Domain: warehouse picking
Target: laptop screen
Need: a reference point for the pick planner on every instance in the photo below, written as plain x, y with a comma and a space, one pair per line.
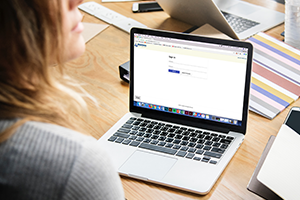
196, 79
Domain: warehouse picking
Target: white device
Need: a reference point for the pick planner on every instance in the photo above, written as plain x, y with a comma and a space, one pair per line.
189, 98
110, 16
221, 14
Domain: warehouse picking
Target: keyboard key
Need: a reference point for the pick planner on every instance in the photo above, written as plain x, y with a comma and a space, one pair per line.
193, 135
192, 144
200, 136
215, 139
184, 143
213, 162
154, 142
178, 136
164, 133
208, 137
192, 150
123, 135
162, 138
127, 126
181, 153
229, 138
147, 140
171, 135
199, 151
207, 148
176, 141
164, 128
150, 130
216, 144
169, 145
225, 141
126, 142
201, 141
208, 143
135, 128
211, 154
140, 133
147, 135
150, 126
161, 143
184, 148
171, 130
199, 146
142, 129
154, 137
224, 146
169, 140
218, 150
129, 121
186, 138
157, 127
134, 143
123, 130
112, 138
206, 157
176, 146
140, 139
197, 158
158, 148
133, 132
119, 140
190, 155
186, 133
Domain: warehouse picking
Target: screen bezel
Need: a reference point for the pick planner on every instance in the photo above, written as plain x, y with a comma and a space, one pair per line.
185, 120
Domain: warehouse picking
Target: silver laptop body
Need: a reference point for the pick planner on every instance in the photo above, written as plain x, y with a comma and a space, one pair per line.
200, 12
188, 101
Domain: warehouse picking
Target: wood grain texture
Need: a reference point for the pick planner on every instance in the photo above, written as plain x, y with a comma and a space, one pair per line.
97, 69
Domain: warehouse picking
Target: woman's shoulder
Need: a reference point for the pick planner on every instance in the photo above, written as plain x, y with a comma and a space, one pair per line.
52, 157
48, 140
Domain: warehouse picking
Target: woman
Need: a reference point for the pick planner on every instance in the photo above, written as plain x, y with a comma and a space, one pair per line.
40, 156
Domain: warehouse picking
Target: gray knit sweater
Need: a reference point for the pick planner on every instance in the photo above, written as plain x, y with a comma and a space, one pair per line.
44, 161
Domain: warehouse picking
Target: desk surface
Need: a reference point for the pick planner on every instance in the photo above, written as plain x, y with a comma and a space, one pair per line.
98, 70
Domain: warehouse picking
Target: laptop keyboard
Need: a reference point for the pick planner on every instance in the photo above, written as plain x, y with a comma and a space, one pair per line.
184, 142
238, 24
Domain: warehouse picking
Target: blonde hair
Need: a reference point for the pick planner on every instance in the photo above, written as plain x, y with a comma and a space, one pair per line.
31, 87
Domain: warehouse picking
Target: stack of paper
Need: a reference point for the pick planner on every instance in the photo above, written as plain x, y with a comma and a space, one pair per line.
275, 75
280, 170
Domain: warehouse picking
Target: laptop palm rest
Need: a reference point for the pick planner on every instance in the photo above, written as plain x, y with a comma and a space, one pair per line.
149, 166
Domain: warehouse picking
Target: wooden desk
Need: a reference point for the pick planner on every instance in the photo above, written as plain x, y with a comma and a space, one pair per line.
98, 70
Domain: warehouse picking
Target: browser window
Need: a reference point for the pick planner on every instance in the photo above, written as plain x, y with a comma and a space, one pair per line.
190, 78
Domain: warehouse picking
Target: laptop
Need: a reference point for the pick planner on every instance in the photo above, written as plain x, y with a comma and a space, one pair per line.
188, 109
237, 19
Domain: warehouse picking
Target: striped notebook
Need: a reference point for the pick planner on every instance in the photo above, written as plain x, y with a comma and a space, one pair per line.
275, 75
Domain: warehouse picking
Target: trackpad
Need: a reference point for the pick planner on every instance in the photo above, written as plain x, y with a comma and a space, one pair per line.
147, 165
